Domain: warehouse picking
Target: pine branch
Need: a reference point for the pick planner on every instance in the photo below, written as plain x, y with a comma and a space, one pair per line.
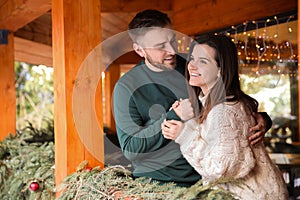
116, 182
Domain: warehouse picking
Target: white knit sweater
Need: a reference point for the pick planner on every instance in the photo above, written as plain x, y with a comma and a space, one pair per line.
219, 147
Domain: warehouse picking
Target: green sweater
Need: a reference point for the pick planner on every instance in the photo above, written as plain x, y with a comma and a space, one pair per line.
142, 99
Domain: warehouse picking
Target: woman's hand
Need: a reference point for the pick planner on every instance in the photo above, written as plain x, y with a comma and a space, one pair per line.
171, 128
259, 129
183, 109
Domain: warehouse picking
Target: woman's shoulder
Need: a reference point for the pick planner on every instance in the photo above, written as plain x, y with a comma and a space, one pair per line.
227, 107
228, 110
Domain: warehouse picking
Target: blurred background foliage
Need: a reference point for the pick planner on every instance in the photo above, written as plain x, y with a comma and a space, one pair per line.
34, 88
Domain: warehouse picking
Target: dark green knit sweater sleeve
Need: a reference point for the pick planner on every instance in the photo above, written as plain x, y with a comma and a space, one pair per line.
267, 119
172, 115
136, 138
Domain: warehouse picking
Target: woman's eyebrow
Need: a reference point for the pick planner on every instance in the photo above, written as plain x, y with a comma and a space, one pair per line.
203, 58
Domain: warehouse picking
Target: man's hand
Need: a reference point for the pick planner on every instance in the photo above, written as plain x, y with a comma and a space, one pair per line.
259, 129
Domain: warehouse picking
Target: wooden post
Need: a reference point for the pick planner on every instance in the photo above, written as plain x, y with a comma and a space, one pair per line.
76, 31
7, 89
112, 75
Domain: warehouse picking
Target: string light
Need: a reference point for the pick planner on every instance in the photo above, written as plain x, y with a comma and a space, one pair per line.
246, 41
289, 36
235, 34
265, 47
276, 36
257, 48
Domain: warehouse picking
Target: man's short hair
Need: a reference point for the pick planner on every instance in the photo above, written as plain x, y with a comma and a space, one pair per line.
145, 19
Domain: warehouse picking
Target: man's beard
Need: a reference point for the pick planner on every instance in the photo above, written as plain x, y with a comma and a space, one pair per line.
160, 65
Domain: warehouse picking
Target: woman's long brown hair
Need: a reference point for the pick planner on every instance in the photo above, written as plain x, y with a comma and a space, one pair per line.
229, 84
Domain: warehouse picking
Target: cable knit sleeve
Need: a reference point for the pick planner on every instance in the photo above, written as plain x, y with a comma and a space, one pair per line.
188, 134
221, 147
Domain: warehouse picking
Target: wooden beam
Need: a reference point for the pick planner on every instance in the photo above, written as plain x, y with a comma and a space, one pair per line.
39, 30
37, 53
193, 17
78, 136
7, 89
32, 52
134, 5
16, 14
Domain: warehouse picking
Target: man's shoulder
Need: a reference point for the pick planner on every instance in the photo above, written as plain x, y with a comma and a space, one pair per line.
134, 77
134, 70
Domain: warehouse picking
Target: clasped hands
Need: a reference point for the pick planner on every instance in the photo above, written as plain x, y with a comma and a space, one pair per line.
172, 128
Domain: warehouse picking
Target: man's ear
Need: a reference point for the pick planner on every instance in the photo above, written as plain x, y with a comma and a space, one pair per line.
138, 49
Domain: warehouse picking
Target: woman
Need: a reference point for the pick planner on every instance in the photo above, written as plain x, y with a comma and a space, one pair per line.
216, 142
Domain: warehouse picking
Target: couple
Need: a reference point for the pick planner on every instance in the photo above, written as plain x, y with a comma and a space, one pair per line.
144, 95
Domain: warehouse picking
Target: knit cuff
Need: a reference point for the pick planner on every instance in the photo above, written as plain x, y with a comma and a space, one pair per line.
187, 135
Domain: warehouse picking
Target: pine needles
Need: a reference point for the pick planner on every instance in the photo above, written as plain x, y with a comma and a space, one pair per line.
23, 162
115, 182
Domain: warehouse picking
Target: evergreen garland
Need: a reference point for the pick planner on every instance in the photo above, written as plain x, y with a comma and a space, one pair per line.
27, 173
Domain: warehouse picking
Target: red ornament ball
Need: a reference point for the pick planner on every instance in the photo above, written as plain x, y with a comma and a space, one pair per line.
34, 186
88, 169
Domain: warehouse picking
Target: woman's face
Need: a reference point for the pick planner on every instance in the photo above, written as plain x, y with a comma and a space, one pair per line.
202, 67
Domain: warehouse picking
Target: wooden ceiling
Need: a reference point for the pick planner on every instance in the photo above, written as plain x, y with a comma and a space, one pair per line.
30, 20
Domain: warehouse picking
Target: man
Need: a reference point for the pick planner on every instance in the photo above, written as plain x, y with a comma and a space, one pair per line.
143, 98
